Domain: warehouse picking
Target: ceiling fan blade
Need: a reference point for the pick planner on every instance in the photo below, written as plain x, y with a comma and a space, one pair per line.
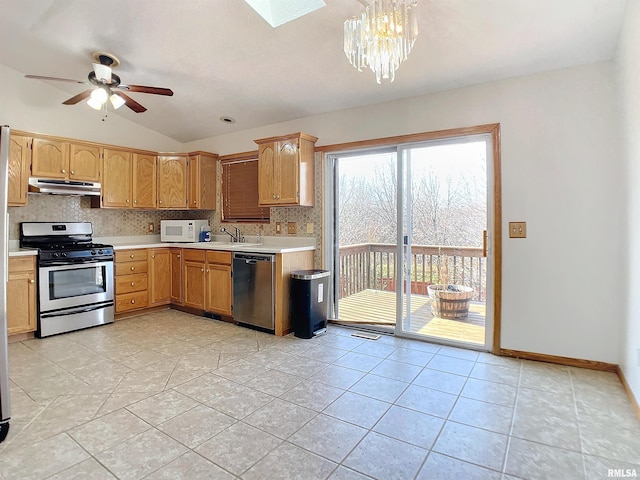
132, 104
78, 98
38, 77
103, 72
142, 89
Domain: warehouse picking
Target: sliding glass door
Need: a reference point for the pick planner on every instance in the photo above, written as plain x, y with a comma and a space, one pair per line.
443, 211
408, 228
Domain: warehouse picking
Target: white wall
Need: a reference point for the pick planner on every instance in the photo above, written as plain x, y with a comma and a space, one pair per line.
34, 106
629, 88
562, 173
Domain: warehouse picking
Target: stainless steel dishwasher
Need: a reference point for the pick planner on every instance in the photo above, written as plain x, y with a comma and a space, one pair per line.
253, 290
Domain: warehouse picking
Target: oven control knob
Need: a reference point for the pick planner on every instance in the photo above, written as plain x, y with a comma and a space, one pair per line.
100, 252
93, 252
64, 254
56, 255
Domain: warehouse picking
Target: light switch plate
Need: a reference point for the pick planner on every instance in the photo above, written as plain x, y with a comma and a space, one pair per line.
292, 228
278, 228
309, 227
517, 229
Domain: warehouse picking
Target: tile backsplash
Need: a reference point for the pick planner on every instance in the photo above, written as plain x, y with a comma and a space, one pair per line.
106, 222
115, 222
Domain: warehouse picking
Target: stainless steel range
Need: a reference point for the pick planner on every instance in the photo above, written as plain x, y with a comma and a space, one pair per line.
75, 276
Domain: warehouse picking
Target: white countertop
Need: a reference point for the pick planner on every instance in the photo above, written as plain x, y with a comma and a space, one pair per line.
268, 245
22, 252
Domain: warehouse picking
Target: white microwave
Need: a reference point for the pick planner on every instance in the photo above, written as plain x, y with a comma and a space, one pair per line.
181, 230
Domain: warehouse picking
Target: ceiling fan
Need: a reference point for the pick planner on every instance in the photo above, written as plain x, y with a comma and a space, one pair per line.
107, 86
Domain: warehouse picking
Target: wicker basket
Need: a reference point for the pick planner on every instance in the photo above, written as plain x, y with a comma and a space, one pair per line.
450, 301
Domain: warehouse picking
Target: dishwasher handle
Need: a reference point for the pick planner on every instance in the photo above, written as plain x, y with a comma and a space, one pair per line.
252, 259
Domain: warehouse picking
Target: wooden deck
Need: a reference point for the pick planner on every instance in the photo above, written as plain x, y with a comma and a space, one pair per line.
377, 307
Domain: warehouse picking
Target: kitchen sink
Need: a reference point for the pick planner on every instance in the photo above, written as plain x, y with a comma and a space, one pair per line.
234, 244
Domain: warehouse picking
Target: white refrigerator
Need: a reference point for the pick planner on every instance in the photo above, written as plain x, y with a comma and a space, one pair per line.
5, 404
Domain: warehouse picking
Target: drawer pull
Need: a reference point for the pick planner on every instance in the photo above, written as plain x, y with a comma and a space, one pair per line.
133, 301
131, 256
133, 284
133, 268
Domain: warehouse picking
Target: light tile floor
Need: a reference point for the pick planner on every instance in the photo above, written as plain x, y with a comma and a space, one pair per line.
170, 395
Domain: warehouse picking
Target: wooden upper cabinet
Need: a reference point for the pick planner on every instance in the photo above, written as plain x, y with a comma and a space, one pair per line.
65, 160
84, 162
19, 167
144, 181
286, 170
202, 181
116, 187
172, 181
50, 158
267, 175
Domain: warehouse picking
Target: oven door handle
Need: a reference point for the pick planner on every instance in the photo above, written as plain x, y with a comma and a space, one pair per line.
67, 263
62, 313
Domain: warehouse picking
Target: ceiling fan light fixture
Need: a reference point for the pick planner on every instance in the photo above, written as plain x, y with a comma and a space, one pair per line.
95, 104
99, 95
117, 101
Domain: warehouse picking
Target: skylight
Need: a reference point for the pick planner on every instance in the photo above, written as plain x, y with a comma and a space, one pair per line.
278, 12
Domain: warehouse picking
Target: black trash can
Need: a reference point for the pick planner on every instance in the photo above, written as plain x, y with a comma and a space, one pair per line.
309, 303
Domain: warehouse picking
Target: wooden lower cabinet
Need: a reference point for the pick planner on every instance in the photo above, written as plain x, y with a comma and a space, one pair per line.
194, 278
159, 276
21, 295
176, 276
131, 280
285, 264
219, 284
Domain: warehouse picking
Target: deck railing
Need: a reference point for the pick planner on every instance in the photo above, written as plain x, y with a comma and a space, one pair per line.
372, 266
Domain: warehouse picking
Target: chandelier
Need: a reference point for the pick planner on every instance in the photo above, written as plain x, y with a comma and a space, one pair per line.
381, 37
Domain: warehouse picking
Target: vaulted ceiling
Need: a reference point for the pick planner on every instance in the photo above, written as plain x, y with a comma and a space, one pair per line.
222, 59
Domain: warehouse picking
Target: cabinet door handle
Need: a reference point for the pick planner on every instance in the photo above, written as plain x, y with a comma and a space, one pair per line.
153, 256
160, 202
207, 271
127, 200
64, 171
32, 281
202, 269
73, 172
135, 201
194, 202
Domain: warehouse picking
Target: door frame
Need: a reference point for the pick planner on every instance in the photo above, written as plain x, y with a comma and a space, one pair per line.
494, 234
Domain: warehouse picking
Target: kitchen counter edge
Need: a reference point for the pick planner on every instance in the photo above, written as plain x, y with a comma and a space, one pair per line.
210, 246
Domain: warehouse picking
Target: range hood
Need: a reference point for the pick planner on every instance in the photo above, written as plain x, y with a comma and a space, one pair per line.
63, 187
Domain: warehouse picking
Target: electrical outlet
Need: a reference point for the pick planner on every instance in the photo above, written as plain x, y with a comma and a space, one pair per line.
517, 229
150, 227
309, 227
292, 228
278, 228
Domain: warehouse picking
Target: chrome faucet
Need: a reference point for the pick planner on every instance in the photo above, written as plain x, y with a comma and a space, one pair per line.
237, 237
